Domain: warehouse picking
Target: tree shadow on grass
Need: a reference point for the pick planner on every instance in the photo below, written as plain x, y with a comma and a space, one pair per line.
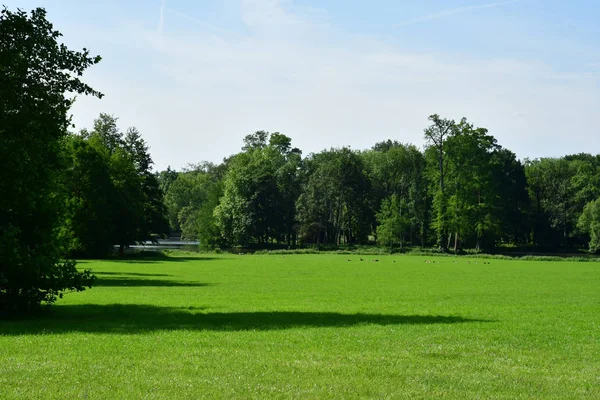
137, 319
155, 260
126, 274
151, 257
132, 282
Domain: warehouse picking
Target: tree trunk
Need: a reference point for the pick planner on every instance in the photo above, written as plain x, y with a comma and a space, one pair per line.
455, 242
441, 211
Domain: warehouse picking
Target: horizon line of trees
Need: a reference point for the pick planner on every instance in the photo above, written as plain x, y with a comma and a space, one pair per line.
463, 190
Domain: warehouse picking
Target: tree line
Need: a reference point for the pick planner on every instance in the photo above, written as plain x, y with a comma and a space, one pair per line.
463, 190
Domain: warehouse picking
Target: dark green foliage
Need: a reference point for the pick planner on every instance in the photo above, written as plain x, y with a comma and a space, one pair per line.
259, 192
185, 191
113, 198
478, 188
436, 136
392, 224
88, 228
36, 72
153, 208
589, 222
559, 189
511, 201
191, 199
334, 206
464, 191
166, 178
470, 189
398, 170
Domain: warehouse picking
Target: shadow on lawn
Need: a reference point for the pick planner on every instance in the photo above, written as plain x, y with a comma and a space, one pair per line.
133, 282
133, 318
150, 257
126, 274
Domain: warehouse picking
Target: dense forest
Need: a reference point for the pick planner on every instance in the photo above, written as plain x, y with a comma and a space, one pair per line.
79, 194
462, 190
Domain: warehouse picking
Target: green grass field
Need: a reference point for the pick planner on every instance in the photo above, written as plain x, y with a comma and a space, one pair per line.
313, 326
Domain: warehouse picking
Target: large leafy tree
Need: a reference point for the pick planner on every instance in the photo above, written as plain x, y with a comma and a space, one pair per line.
88, 228
586, 187
191, 199
559, 189
397, 170
589, 222
512, 200
36, 74
471, 193
554, 209
112, 195
260, 191
165, 179
478, 187
184, 193
155, 221
392, 224
334, 205
436, 136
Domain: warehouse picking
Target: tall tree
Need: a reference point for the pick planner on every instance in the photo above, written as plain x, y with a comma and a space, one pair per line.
436, 135
334, 206
392, 224
586, 188
113, 196
166, 178
36, 75
553, 196
191, 200
259, 193
470, 190
397, 170
512, 200
88, 228
155, 223
108, 133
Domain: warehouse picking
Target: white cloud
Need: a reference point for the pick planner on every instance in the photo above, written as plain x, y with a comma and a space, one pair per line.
324, 87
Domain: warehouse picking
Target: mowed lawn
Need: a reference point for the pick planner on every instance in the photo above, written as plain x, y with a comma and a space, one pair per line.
314, 326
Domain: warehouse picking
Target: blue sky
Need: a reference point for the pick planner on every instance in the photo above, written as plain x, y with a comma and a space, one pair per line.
197, 76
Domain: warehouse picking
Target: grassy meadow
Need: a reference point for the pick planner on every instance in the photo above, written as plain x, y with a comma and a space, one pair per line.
313, 326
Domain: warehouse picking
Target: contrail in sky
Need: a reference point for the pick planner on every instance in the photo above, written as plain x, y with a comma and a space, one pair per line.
161, 19
454, 11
